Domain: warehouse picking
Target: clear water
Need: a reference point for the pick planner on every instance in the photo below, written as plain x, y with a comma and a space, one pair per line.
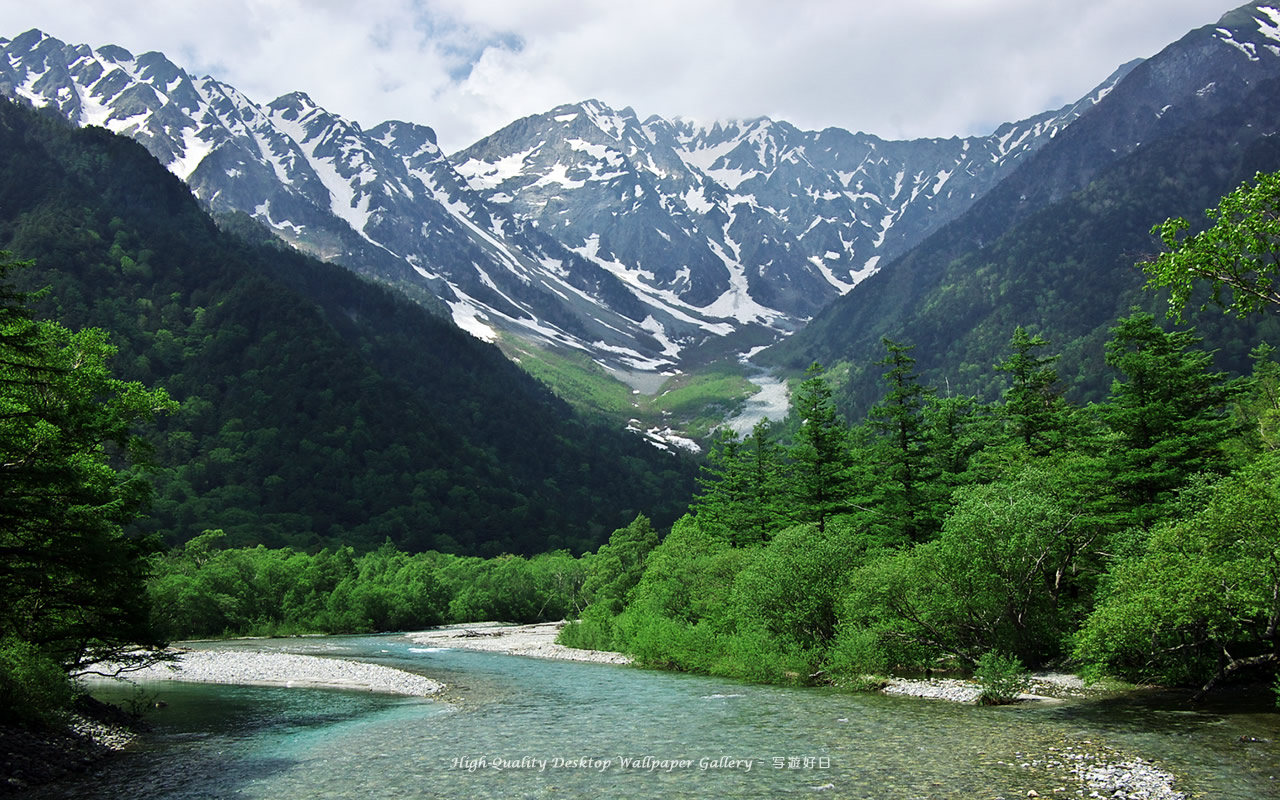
527, 728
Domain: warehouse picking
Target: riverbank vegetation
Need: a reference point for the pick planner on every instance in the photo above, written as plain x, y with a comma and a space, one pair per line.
1138, 536
203, 589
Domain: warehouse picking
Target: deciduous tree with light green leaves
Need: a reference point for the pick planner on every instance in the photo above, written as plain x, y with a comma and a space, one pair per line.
1012, 570
1238, 255
71, 579
1203, 603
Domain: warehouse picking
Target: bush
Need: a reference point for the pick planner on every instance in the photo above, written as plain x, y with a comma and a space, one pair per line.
1002, 677
591, 632
791, 588
855, 657
752, 654
33, 686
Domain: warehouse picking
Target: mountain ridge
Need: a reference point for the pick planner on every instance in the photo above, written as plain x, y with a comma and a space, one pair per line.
712, 252
318, 408
1183, 121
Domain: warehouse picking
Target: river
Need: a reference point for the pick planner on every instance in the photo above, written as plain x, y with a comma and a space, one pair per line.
771, 401
510, 726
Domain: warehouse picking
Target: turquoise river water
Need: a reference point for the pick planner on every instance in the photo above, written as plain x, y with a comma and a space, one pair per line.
518, 727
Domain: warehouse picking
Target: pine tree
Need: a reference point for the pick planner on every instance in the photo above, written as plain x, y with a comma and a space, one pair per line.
821, 455
901, 453
1167, 411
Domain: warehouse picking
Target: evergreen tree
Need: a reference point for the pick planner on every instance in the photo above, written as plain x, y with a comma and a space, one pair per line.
722, 482
957, 430
820, 454
1167, 411
900, 450
741, 487
762, 458
1032, 403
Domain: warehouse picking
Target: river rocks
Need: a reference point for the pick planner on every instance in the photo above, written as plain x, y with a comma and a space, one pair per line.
287, 669
952, 689
537, 640
1096, 771
35, 756
1043, 686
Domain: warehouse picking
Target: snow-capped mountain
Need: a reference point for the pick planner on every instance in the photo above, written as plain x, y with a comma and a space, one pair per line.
1052, 247
754, 221
585, 227
384, 202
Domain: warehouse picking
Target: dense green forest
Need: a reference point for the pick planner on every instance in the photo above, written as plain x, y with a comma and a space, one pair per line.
1138, 537
315, 408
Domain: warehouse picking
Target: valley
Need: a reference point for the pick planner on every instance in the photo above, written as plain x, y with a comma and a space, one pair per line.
793, 417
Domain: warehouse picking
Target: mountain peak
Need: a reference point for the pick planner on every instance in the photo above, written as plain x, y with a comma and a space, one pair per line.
297, 101
115, 53
636, 243
29, 39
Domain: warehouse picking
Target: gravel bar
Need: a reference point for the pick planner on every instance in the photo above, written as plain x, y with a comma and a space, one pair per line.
537, 640
258, 668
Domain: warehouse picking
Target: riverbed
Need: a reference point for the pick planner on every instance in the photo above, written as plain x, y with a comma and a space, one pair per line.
769, 402
510, 726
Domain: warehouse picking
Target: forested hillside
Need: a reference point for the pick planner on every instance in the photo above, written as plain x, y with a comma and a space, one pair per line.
315, 407
1065, 270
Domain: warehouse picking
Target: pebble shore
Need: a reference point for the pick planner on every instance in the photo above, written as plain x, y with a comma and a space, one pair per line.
537, 641
34, 756
287, 669
1045, 687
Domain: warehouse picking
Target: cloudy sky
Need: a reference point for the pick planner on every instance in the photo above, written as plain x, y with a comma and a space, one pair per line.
896, 68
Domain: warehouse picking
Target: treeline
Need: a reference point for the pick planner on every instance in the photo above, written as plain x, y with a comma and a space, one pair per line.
1139, 537
202, 589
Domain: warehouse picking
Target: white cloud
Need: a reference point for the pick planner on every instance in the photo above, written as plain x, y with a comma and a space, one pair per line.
468, 67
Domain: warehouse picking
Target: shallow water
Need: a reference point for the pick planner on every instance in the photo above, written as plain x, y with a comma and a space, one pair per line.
519, 727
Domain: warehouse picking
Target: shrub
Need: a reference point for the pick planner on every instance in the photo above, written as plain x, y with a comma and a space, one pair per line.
1002, 678
591, 632
32, 686
855, 657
